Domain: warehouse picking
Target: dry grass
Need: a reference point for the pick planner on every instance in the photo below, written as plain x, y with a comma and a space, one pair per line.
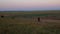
29, 25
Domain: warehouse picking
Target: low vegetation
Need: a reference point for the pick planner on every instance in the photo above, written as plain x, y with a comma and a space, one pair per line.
20, 25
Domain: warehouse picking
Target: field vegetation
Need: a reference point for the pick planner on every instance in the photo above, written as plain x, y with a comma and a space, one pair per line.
27, 23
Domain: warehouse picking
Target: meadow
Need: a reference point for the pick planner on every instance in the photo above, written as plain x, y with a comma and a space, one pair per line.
20, 22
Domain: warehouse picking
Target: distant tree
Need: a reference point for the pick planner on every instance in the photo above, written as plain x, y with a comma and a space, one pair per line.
2, 16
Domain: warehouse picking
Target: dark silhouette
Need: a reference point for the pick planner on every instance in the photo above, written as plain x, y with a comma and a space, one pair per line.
2, 16
38, 19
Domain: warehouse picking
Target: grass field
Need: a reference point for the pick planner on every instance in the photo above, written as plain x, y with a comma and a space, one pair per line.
27, 23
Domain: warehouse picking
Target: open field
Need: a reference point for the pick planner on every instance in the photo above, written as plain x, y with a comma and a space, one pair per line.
27, 22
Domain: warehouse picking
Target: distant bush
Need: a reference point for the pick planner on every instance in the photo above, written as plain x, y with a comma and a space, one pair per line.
2, 16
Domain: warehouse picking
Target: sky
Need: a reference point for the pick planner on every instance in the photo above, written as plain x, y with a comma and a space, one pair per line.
7, 5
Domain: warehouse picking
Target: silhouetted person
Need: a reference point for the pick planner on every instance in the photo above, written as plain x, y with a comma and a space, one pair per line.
2, 16
38, 19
